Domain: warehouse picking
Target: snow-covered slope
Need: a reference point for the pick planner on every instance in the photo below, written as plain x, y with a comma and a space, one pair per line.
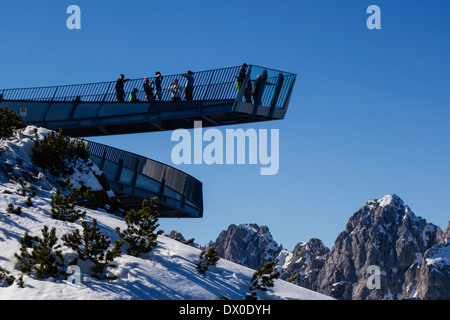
168, 272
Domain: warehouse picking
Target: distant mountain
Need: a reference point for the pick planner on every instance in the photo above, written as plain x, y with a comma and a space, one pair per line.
304, 263
383, 233
413, 256
247, 244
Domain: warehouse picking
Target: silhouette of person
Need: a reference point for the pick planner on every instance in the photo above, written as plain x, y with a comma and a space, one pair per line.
189, 89
158, 85
132, 97
241, 76
148, 89
120, 93
175, 89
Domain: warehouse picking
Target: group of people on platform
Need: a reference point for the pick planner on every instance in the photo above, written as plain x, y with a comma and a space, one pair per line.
249, 90
153, 90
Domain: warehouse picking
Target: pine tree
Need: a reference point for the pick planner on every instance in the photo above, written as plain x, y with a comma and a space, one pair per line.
22, 190
263, 279
20, 282
293, 278
29, 202
63, 208
56, 151
87, 198
9, 122
140, 233
5, 277
189, 242
11, 209
45, 258
93, 245
206, 259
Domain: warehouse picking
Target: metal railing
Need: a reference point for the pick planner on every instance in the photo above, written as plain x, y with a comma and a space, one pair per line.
216, 84
278, 83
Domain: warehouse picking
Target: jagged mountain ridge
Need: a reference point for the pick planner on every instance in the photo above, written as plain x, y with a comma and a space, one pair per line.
247, 244
412, 254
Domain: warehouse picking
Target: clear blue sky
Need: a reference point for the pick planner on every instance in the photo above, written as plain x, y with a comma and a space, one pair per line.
368, 116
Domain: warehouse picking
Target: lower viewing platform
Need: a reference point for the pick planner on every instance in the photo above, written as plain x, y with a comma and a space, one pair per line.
134, 178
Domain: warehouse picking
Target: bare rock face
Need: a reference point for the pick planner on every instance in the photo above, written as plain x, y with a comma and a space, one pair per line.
429, 278
386, 234
247, 244
303, 263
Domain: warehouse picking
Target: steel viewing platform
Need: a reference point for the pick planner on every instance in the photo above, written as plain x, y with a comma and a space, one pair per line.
87, 110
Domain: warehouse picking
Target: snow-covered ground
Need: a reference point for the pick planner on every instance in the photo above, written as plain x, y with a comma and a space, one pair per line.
167, 273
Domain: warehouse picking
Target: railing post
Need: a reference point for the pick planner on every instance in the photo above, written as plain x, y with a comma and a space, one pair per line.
136, 167
54, 93
276, 94
288, 98
259, 95
119, 171
162, 197
102, 163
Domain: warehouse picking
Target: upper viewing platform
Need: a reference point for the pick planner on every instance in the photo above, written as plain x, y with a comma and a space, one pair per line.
226, 96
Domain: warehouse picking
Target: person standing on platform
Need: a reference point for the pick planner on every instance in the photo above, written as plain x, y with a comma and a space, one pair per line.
257, 86
241, 76
148, 89
120, 93
158, 85
175, 89
189, 89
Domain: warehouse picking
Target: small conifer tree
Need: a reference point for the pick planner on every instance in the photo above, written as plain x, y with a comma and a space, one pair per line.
93, 245
45, 257
206, 259
56, 151
63, 208
140, 233
29, 202
189, 242
5, 278
9, 122
22, 190
263, 279
14, 210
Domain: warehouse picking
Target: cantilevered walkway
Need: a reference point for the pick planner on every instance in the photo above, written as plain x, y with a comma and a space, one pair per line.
87, 110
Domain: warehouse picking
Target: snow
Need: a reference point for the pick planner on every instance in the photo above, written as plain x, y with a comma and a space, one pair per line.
168, 272
439, 255
428, 229
386, 200
283, 260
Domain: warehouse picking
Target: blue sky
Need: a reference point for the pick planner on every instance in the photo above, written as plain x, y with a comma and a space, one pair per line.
368, 116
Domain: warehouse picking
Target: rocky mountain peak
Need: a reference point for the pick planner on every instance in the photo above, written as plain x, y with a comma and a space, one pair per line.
304, 263
383, 233
247, 244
